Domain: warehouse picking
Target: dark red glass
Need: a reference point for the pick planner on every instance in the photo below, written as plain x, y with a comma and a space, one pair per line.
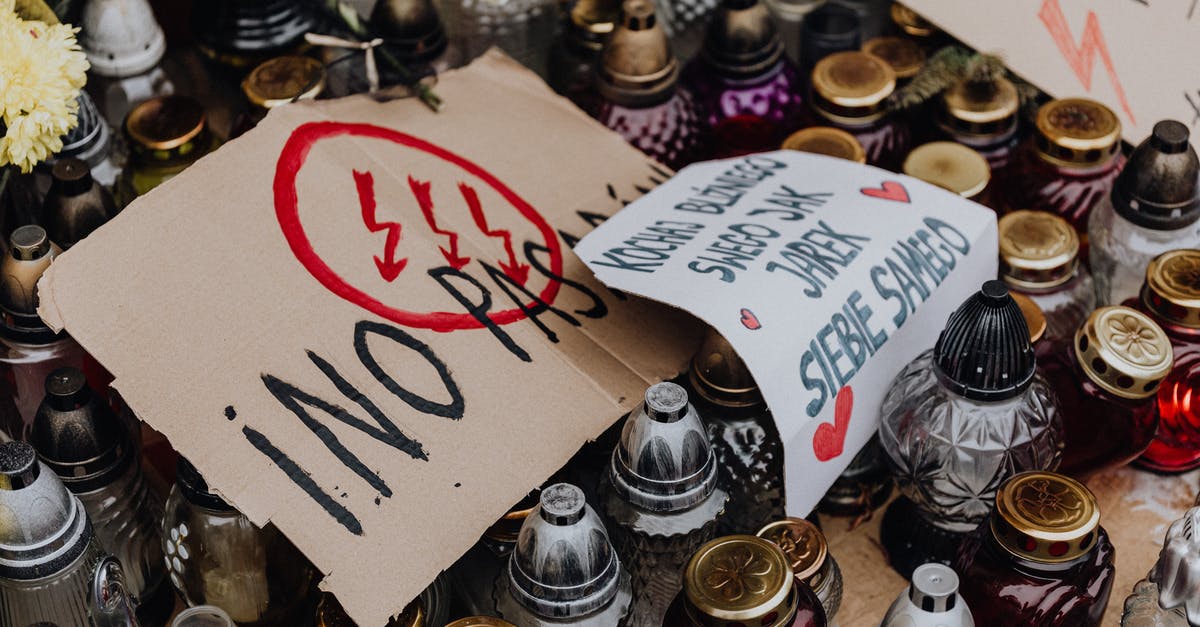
1071, 192
809, 612
1100, 429
747, 116
1177, 445
670, 132
886, 140
1002, 589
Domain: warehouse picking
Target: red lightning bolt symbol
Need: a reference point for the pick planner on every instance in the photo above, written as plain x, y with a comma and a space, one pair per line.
1082, 58
420, 189
518, 272
389, 267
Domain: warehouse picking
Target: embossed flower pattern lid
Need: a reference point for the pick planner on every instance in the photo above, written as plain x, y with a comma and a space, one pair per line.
738, 580
1045, 517
1123, 351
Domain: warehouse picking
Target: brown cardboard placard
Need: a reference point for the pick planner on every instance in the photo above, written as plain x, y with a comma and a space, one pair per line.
378, 262
1135, 56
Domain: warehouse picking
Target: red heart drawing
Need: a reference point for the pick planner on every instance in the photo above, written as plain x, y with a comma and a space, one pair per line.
890, 190
829, 439
749, 320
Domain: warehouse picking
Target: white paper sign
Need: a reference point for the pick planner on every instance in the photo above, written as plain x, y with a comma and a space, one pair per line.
827, 277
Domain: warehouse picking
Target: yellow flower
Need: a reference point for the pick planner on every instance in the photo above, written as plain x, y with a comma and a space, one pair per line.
41, 72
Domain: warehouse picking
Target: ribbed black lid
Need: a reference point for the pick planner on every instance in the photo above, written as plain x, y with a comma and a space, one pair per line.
195, 488
79, 437
984, 352
827, 29
1157, 188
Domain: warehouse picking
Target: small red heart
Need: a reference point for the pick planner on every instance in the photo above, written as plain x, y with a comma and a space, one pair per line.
830, 439
890, 190
749, 320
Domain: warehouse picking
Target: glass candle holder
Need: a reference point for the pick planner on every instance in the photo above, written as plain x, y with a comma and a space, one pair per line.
1039, 258
1153, 208
1171, 296
1042, 558
1069, 165
638, 95
1107, 381
848, 92
959, 420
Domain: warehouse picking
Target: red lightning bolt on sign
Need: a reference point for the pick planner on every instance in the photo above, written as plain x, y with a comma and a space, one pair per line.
389, 267
420, 189
518, 272
1082, 58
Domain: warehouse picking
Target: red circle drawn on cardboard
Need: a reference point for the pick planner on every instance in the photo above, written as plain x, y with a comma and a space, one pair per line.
287, 212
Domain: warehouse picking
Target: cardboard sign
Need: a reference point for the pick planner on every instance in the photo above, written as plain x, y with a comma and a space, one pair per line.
827, 276
363, 322
1138, 57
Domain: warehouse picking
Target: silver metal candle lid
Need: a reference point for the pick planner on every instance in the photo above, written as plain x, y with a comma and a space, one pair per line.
934, 587
563, 565
43, 527
1177, 572
664, 462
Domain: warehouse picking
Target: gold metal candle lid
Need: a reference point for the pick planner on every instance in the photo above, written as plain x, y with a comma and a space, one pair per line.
1045, 517
951, 166
738, 580
1035, 318
853, 85
720, 375
803, 544
826, 140
165, 122
1077, 132
637, 65
1123, 351
980, 110
903, 55
1172, 288
1038, 249
280, 80
480, 621
911, 23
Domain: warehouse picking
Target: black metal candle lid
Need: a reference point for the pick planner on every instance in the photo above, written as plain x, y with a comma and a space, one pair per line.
984, 352
1157, 188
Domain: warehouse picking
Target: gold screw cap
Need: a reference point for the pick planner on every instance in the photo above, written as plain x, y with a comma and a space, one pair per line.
280, 80
826, 140
951, 166
903, 55
1045, 517
803, 544
852, 84
911, 23
1035, 318
1038, 249
165, 122
738, 580
1172, 288
1123, 351
1077, 132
